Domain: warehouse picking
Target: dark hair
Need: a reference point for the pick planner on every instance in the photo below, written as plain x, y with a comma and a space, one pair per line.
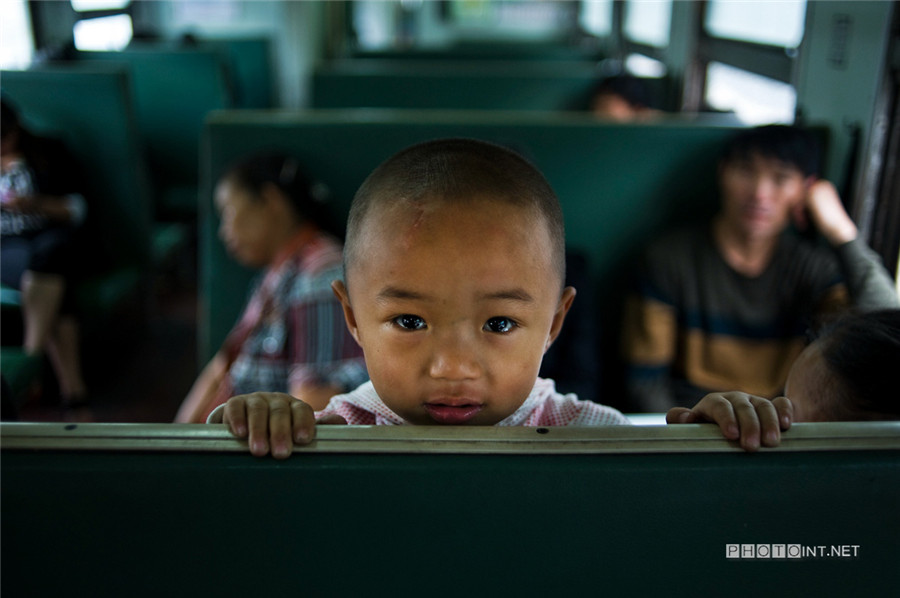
633, 90
862, 353
458, 170
789, 144
308, 198
33, 148
9, 118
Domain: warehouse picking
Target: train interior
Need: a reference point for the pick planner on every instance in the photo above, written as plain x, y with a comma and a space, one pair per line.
156, 98
140, 88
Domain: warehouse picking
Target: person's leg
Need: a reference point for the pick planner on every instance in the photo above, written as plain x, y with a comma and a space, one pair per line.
42, 295
64, 351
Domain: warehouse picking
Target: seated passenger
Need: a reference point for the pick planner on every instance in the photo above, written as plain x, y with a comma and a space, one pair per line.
291, 336
725, 305
455, 274
623, 98
847, 374
42, 211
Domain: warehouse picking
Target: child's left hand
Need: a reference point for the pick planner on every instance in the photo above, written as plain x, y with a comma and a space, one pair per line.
753, 420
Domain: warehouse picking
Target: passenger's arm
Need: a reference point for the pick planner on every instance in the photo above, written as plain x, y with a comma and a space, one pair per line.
195, 406
67, 209
868, 283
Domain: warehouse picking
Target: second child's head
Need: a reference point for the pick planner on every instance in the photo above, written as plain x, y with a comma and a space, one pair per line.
848, 373
454, 269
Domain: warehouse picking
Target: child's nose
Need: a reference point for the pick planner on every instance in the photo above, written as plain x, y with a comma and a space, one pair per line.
454, 358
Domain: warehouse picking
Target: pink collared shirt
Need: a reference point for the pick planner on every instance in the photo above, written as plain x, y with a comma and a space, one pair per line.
543, 407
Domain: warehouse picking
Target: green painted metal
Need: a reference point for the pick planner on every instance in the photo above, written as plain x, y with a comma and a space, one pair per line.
187, 524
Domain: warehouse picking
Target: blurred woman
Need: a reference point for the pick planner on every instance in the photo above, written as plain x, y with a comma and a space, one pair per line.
291, 337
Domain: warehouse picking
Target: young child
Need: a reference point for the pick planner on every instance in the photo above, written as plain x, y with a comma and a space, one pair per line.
846, 374
454, 268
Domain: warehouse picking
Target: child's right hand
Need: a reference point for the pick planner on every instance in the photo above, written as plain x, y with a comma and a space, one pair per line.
270, 420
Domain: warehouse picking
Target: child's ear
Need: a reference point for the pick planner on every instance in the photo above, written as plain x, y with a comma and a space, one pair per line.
562, 308
340, 291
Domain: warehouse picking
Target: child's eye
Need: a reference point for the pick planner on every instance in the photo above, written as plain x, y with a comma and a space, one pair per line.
410, 322
499, 324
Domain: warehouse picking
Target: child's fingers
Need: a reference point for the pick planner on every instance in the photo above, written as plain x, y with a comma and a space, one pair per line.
304, 422
717, 408
281, 426
785, 410
258, 424
748, 422
679, 415
767, 422
235, 416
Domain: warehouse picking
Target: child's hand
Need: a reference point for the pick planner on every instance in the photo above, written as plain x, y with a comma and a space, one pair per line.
270, 419
750, 419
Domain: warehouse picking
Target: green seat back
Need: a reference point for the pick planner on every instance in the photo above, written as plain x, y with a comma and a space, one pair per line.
478, 85
174, 90
167, 517
91, 110
250, 70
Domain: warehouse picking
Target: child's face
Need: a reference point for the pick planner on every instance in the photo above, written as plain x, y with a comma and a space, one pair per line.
454, 307
759, 193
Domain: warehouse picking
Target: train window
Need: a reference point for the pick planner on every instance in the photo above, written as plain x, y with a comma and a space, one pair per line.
648, 22
770, 23
754, 99
512, 16
746, 58
597, 17
103, 33
644, 66
373, 24
102, 24
15, 29
89, 5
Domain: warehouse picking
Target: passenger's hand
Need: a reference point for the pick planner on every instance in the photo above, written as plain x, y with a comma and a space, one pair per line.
753, 420
823, 205
271, 421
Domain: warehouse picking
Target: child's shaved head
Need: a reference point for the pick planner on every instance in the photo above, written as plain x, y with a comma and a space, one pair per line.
457, 171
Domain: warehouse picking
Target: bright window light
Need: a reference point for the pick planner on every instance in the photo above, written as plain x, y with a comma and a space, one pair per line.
596, 17
648, 22
88, 5
17, 46
103, 34
755, 100
644, 66
770, 22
